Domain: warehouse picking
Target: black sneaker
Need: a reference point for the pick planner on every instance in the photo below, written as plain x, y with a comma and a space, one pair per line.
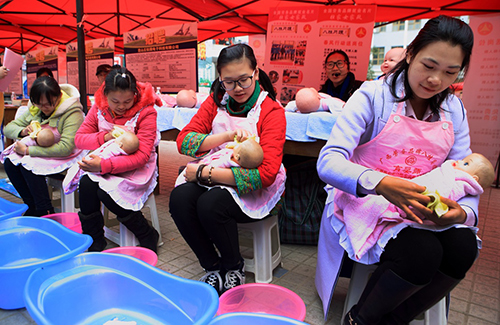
234, 278
214, 279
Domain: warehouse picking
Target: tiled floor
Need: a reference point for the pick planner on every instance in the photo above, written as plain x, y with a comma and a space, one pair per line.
475, 301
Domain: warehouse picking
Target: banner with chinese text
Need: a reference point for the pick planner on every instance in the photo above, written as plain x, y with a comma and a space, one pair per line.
300, 38
481, 93
166, 56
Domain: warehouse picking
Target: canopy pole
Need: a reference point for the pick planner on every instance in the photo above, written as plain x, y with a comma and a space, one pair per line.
82, 75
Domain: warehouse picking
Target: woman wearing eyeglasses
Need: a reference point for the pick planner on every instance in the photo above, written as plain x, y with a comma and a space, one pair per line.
207, 208
341, 82
55, 107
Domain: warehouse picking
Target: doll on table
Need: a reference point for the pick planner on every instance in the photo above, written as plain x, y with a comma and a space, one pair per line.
453, 180
124, 143
189, 98
308, 100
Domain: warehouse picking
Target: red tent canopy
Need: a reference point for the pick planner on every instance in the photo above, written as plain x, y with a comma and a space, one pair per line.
26, 24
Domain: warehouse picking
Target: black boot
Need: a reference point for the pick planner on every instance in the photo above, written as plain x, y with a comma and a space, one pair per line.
384, 296
440, 285
139, 226
92, 224
39, 213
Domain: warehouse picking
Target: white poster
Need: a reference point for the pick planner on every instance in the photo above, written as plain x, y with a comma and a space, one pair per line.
300, 38
481, 93
165, 56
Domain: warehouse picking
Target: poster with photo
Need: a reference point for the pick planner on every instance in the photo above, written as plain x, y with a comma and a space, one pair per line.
481, 92
300, 38
97, 52
41, 58
166, 56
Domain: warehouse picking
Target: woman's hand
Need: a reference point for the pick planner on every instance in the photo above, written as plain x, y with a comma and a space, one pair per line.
3, 72
454, 215
27, 130
20, 148
240, 135
404, 194
92, 164
190, 173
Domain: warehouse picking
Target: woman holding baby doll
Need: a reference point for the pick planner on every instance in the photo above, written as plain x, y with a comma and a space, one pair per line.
122, 183
52, 107
207, 208
391, 131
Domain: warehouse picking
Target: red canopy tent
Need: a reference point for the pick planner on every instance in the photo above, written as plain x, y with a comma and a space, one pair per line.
27, 24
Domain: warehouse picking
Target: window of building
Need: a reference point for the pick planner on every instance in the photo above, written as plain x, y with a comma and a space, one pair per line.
380, 29
414, 24
378, 54
397, 26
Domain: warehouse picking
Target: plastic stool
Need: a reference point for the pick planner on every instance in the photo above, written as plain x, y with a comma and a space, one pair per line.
125, 237
67, 200
266, 248
436, 315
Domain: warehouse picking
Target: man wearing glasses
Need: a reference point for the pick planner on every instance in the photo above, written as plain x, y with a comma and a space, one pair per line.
341, 82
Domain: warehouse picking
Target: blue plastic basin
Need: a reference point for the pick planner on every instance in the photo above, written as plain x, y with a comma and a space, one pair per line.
10, 209
254, 319
94, 288
28, 243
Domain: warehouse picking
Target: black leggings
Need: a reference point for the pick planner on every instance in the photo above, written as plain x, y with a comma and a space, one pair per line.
32, 188
206, 218
91, 196
416, 254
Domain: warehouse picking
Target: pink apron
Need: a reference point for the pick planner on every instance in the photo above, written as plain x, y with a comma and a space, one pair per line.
131, 189
256, 204
43, 165
405, 147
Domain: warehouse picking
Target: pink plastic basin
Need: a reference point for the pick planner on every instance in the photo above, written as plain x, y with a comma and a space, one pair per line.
142, 253
68, 219
262, 298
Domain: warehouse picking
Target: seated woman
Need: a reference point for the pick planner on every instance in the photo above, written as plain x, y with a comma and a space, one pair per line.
391, 131
122, 183
243, 103
57, 108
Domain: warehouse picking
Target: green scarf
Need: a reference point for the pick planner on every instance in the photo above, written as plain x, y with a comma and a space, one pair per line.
246, 107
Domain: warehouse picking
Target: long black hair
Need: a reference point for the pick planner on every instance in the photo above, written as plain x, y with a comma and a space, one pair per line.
439, 29
120, 79
45, 87
234, 53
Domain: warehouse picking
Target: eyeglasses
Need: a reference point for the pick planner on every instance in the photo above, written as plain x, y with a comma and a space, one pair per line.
244, 82
339, 64
44, 105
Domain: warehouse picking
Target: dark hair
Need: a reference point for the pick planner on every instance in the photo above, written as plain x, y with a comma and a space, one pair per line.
344, 54
41, 71
102, 68
234, 53
438, 29
120, 79
45, 87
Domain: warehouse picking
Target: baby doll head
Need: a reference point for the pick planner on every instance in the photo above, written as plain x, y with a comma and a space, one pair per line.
307, 100
248, 154
186, 98
128, 141
479, 167
392, 57
45, 138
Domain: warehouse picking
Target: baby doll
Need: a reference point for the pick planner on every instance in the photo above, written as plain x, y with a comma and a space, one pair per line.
453, 180
308, 100
124, 143
45, 138
189, 98
392, 57
247, 154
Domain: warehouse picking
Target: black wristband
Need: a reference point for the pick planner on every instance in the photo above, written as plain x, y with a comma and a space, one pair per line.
199, 171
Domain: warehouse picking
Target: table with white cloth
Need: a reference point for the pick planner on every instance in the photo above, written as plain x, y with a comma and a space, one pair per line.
306, 134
